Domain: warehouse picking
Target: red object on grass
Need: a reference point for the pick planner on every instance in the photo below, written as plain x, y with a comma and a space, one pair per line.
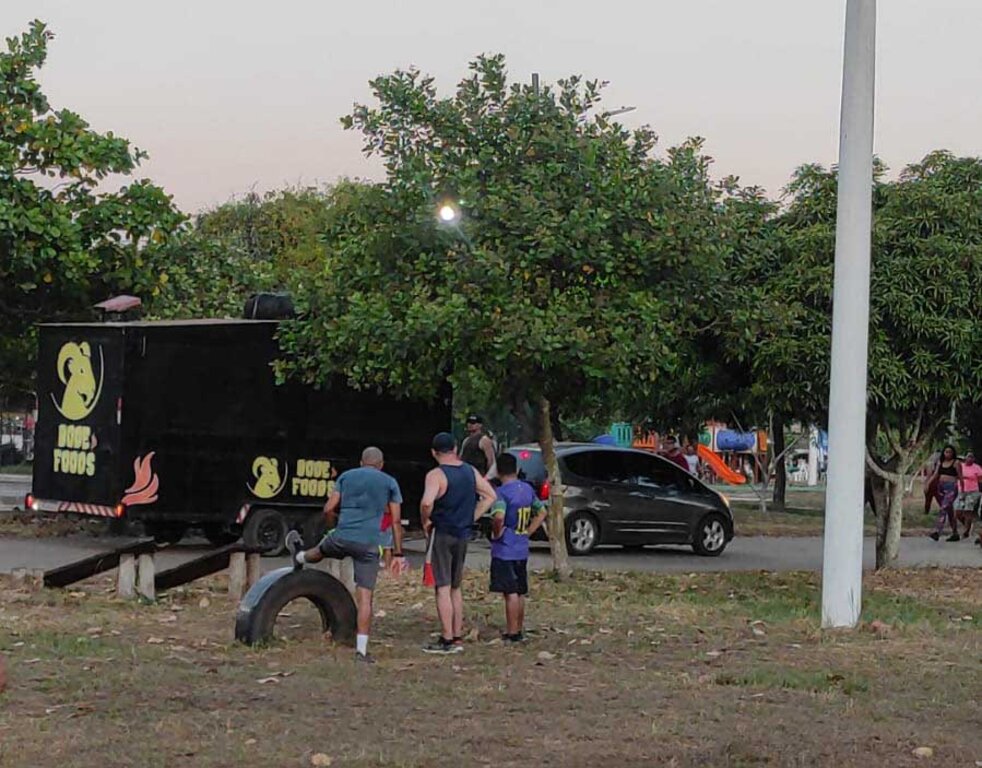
428, 579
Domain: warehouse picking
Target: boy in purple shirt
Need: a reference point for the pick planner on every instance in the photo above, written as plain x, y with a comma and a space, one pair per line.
517, 514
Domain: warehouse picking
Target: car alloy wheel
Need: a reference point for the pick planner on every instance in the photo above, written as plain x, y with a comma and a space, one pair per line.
713, 535
582, 534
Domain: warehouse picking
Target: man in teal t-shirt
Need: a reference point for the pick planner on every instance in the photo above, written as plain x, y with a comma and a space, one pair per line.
361, 496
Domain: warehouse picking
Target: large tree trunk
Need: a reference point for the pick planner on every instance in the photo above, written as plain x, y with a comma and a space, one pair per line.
778, 450
556, 519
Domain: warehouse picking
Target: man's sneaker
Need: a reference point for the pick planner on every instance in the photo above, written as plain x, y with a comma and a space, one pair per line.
954, 537
442, 646
458, 642
364, 658
294, 544
514, 639
934, 535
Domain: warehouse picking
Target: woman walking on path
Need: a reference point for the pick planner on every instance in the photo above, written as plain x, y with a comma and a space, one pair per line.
947, 476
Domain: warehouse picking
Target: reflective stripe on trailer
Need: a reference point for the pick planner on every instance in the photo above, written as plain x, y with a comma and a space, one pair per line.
78, 507
243, 513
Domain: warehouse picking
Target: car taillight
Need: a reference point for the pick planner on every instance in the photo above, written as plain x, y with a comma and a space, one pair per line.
544, 491
31, 503
120, 510
525, 455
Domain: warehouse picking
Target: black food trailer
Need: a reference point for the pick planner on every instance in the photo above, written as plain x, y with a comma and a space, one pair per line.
181, 424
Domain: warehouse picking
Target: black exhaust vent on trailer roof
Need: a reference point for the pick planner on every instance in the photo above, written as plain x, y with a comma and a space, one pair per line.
269, 306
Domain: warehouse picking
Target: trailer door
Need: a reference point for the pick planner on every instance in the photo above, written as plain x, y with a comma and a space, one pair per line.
77, 442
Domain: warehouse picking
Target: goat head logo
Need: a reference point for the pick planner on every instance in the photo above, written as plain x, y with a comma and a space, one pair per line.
268, 484
76, 372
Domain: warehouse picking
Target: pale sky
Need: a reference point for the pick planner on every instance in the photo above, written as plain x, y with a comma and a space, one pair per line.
231, 96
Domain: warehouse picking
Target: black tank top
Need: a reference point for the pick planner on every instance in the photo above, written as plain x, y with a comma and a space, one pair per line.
453, 512
949, 471
472, 453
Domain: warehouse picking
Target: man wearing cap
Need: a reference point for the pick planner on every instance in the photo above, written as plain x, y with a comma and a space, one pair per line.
454, 497
478, 448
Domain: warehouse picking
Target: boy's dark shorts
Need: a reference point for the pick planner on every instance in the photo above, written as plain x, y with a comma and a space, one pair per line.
448, 555
365, 557
509, 577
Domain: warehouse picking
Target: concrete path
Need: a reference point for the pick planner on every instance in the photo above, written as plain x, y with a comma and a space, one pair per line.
744, 554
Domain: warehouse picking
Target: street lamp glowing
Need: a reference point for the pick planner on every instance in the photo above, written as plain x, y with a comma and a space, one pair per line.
448, 214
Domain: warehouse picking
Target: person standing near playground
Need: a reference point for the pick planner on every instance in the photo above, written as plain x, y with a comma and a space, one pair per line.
455, 496
354, 513
947, 476
516, 515
673, 453
692, 460
967, 506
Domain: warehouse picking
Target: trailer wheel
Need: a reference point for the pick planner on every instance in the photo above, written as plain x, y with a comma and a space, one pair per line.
265, 529
255, 621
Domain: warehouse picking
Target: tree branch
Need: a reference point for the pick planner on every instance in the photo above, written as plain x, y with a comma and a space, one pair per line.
894, 442
877, 470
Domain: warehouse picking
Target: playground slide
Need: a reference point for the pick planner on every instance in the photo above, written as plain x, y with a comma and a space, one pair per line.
718, 466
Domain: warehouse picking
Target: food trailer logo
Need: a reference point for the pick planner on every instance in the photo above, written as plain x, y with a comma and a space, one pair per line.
145, 482
81, 388
74, 452
313, 478
266, 470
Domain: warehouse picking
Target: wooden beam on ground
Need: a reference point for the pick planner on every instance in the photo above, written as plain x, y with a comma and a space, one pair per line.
212, 562
95, 564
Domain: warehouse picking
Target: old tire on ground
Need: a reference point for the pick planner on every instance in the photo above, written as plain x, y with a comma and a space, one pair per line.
582, 533
256, 617
265, 530
710, 536
219, 534
165, 533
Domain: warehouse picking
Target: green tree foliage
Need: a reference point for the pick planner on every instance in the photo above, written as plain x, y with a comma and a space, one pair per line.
64, 244
925, 316
259, 243
571, 281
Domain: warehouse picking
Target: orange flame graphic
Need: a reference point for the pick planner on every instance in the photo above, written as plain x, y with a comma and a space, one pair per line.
144, 488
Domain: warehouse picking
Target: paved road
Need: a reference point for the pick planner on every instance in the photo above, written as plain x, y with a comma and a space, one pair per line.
744, 554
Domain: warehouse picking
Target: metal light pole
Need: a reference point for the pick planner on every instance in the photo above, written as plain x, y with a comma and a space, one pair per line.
842, 571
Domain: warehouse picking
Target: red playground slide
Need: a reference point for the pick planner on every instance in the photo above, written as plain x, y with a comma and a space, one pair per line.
723, 472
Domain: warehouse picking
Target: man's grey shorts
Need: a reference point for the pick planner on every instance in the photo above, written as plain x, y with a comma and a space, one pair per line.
365, 557
449, 553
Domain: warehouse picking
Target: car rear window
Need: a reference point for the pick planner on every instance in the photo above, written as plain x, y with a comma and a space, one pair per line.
531, 468
601, 466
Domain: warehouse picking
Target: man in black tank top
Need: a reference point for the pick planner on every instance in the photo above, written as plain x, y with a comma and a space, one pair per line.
477, 448
455, 496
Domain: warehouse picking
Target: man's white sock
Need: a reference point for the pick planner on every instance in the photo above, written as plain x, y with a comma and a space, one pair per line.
361, 644
300, 558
